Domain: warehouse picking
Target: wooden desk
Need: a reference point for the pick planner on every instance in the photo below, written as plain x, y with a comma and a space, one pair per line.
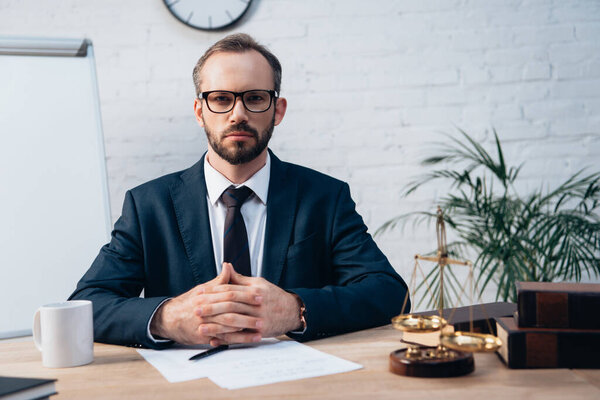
120, 372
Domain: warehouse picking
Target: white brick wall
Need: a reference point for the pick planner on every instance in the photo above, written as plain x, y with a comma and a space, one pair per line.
369, 85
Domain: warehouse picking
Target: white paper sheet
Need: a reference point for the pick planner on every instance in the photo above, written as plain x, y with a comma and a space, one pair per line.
242, 366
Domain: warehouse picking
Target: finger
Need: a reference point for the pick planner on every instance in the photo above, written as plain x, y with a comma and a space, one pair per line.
230, 320
225, 275
239, 337
230, 287
249, 298
239, 278
229, 267
222, 278
208, 310
209, 330
194, 336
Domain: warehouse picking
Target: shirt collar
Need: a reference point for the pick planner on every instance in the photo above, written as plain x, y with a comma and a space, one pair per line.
216, 183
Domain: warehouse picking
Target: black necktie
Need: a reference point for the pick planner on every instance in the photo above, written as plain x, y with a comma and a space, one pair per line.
235, 238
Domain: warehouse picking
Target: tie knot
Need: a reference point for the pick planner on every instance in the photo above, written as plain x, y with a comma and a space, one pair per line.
233, 197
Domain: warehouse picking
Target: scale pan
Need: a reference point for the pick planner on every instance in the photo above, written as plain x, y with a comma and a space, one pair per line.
418, 323
470, 342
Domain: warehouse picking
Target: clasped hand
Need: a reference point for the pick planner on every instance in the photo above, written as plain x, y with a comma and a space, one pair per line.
231, 308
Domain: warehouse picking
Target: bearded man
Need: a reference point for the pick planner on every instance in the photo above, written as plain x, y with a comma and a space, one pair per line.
240, 246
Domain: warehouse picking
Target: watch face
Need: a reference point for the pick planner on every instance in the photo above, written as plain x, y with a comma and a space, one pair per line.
208, 14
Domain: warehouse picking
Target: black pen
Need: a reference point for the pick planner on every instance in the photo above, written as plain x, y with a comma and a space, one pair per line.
209, 352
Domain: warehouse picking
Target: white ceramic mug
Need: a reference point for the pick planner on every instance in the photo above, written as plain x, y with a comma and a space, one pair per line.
64, 333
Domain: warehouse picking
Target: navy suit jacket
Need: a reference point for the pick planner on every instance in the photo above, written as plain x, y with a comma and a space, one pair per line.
316, 245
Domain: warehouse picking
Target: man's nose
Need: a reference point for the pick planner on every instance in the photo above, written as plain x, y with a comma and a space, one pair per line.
239, 112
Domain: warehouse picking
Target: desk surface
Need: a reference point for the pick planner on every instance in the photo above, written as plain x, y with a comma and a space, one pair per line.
120, 372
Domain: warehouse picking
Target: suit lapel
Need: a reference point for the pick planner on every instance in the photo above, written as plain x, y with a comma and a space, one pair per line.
189, 201
281, 203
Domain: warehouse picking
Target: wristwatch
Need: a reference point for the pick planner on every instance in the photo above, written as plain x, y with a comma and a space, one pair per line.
301, 315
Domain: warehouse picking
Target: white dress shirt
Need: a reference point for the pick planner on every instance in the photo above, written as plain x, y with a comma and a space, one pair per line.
254, 212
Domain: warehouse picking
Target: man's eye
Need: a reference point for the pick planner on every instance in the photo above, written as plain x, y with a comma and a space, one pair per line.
255, 98
222, 99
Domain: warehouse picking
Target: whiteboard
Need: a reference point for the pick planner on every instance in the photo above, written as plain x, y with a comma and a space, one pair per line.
54, 207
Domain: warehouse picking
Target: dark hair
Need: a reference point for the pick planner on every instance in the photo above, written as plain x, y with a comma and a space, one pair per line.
239, 43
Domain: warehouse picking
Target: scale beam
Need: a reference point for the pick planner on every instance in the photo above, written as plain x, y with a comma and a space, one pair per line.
443, 260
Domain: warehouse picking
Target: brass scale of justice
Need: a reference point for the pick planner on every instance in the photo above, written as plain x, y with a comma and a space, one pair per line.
454, 354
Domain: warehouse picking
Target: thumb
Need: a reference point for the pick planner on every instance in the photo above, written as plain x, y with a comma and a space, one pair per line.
238, 278
226, 272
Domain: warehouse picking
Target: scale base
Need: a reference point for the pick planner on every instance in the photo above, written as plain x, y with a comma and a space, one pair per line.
430, 365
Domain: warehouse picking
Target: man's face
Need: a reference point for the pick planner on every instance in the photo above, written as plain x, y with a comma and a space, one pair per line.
238, 136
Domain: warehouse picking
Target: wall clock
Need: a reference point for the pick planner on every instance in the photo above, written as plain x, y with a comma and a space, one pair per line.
208, 15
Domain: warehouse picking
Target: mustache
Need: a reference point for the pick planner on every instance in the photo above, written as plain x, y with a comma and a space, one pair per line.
241, 128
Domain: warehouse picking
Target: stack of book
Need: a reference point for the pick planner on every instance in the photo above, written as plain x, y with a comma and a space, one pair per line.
477, 318
12, 388
557, 325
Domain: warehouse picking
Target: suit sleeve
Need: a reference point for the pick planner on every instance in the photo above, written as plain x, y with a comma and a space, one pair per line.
114, 283
365, 292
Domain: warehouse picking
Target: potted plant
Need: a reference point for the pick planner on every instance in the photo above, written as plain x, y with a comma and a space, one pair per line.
544, 235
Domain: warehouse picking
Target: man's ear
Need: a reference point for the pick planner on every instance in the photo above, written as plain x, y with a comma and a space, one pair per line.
198, 111
280, 107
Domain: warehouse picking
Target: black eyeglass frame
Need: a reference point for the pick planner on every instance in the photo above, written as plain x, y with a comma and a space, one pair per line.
272, 93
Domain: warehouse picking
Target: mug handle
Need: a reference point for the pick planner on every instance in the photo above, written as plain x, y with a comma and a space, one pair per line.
37, 330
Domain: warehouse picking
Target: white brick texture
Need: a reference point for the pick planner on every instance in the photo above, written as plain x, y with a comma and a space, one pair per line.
370, 85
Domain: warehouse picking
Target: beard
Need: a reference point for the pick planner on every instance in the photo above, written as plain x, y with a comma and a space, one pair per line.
240, 152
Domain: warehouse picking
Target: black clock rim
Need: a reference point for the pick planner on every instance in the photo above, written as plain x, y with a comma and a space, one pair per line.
216, 29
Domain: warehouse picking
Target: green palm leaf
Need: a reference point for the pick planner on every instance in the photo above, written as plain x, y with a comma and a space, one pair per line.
545, 235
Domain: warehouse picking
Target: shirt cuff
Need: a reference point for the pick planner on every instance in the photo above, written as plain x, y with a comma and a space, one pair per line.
299, 332
150, 321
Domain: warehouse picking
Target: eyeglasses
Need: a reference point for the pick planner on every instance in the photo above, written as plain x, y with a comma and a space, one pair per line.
223, 101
